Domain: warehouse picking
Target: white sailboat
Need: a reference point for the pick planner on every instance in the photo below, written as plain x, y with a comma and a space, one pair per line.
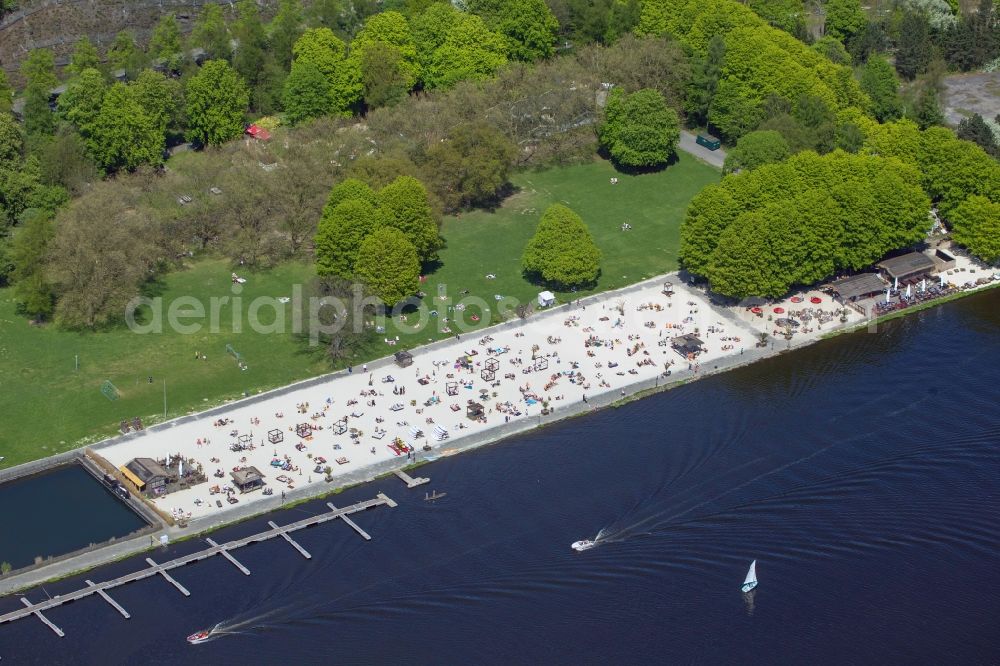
751, 580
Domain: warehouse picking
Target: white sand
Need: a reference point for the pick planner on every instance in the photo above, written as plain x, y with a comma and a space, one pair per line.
560, 338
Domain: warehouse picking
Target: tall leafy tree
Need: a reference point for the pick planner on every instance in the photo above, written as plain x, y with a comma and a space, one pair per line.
347, 189
387, 263
976, 225
11, 141
975, 129
307, 93
32, 291
216, 99
928, 111
81, 103
430, 29
914, 51
341, 231
285, 29
124, 136
844, 19
705, 72
529, 27
6, 93
878, 80
404, 205
756, 149
211, 33
165, 43
470, 52
84, 57
249, 59
158, 96
471, 167
39, 70
390, 30
562, 253
384, 75
327, 53
125, 55
639, 130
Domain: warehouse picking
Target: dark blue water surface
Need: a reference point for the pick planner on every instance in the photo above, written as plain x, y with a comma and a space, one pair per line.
56, 512
861, 473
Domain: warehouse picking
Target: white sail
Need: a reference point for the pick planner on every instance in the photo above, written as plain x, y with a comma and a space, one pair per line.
752, 574
751, 579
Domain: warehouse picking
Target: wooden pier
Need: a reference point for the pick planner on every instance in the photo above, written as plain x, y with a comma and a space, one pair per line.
214, 549
410, 481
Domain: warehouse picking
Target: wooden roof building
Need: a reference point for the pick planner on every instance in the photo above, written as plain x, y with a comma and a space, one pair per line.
858, 286
687, 344
912, 264
247, 479
147, 474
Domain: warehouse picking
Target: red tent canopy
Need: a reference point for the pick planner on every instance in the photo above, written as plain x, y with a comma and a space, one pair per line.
258, 132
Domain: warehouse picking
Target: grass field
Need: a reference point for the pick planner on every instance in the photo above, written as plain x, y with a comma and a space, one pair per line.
49, 405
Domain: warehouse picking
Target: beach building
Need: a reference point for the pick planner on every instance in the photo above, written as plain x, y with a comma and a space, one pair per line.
910, 266
403, 358
247, 479
546, 299
857, 287
688, 345
148, 475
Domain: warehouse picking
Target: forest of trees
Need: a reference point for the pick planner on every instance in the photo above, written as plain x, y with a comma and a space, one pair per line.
428, 101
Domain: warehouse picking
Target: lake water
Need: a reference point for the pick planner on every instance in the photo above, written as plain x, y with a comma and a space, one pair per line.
861, 473
57, 512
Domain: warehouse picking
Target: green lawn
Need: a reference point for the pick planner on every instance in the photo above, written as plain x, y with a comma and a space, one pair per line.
50, 406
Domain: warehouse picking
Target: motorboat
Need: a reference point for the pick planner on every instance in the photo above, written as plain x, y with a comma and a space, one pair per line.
199, 637
583, 545
751, 579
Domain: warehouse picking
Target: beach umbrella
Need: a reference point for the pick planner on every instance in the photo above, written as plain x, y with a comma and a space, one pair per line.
887, 290
908, 291
180, 468
923, 285
942, 280
895, 284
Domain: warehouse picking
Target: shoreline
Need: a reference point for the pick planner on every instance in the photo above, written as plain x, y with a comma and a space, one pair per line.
79, 562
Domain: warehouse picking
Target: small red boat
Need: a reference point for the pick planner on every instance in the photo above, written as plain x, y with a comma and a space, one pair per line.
199, 637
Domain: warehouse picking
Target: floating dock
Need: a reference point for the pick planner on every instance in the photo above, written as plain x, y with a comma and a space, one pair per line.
223, 549
410, 481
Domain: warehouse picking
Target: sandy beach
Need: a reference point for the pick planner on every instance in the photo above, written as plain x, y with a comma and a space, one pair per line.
360, 419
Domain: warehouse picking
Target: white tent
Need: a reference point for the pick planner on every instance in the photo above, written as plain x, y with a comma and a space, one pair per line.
546, 298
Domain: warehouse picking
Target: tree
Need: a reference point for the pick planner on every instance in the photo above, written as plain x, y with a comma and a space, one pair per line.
4, 568
165, 43
383, 76
210, 33
914, 50
123, 135
250, 58
783, 14
325, 51
755, 149
84, 57
705, 72
39, 70
832, 49
63, 161
28, 252
430, 29
928, 111
844, 19
471, 167
878, 80
347, 189
639, 130
216, 100
390, 31
470, 52
403, 204
306, 93
388, 265
528, 26
976, 225
975, 129
123, 54
341, 230
285, 29
81, 103
6, 94
158, 96
99, 257
11, 141
562, 253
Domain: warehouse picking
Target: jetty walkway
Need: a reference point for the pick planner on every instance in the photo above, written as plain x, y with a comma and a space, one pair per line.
223, 549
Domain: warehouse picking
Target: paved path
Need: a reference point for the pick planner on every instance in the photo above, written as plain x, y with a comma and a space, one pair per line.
689, 145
